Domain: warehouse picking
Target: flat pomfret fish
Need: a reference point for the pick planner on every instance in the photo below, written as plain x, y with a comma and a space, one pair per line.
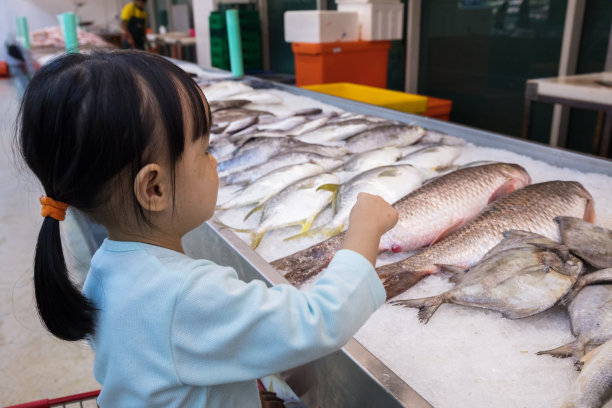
265, 187
590, 242
522, 276
532, 208
593, 388
590, 314
384, 135
426, 215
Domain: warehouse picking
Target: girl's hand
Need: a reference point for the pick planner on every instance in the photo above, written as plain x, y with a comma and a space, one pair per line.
370, 218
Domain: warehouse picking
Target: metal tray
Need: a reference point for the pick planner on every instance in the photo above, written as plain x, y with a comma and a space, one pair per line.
353, 376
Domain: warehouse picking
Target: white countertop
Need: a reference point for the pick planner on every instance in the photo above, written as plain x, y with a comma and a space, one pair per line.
586, 87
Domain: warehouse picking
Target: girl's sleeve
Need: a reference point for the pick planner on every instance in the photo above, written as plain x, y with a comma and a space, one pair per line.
225, 330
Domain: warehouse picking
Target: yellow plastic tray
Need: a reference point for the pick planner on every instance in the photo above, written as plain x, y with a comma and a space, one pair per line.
386, 98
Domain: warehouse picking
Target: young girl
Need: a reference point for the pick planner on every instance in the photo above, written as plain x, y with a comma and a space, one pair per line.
123, 137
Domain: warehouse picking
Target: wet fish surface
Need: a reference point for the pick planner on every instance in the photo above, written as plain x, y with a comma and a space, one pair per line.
426, 215
386, 135
523, 275
532, 208
590, 242
590, 314
593, 387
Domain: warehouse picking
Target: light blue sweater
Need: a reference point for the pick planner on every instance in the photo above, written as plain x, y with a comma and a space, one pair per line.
172, 331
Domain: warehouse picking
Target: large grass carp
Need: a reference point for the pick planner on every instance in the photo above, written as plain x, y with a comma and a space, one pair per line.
426, 215
523, 275
589, 242
532, 208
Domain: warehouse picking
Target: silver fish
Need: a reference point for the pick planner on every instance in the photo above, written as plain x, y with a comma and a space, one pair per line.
332, 133
258, 97
531, 208
588, 241
258, 150
224, 89
522, 276
267, 186
426, 215
433, 136
297, 204
227, 104
281, 160
590, 315
283, 125
432, 157
385, 135
593, 388
372, 158
389, 182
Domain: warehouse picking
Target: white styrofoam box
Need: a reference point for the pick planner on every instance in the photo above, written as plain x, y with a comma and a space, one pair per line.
377, 21
321, 26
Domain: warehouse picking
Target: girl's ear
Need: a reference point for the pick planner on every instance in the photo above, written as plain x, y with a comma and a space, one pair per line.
151, 188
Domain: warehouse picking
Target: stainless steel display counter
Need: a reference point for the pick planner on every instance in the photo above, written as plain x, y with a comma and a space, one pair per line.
353, 377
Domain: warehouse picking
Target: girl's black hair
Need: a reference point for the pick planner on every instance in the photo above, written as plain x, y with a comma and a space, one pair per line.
85, 118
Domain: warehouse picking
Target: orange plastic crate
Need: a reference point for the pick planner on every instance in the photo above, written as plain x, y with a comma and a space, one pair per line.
360, 62
438, 108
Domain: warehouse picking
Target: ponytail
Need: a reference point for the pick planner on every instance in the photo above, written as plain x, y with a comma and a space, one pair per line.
64, 311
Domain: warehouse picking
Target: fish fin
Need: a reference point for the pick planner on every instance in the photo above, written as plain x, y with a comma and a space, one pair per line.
334, 189
254, 210
307, 223
387, 173
328, 232
256, 237
457, 272
445, 169
446, 232
575, 348
427, 306
505, 189
397, 280
561, 250
223, 225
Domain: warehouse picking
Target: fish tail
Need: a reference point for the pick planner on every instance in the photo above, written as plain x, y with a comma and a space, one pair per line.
397, 279
334, 189
253, 211
307, 223
575, 348
223, 225
427, 306
256, 237
328, 232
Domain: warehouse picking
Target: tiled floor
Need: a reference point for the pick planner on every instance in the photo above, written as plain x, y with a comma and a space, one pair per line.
33, 364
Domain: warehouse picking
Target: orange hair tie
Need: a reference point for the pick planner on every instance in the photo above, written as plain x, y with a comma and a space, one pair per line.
52, 208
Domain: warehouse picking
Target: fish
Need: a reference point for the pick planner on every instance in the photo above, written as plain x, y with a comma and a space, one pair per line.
280, 160
593, 387
257, 150
434, 136
234, 120
431, 157
389, 182
227, 104
372, 158
531, 208
523, 275
589, 242
224, 89
590, 314
426, 215
600, 276
258, 97
283, 125
382, 136
332, 132
222, 149
297, 204
267, 186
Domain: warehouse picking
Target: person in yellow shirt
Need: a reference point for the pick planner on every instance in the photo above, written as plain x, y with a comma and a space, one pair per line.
134, 25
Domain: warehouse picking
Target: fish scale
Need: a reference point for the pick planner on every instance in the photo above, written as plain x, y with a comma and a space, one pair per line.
532, 208
438, 207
